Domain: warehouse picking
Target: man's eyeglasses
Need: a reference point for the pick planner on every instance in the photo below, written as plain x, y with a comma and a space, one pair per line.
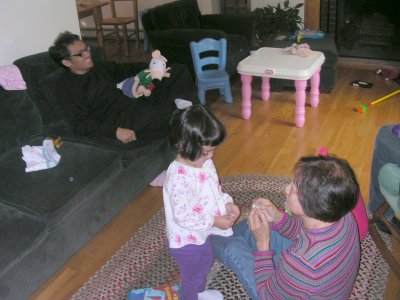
83, 52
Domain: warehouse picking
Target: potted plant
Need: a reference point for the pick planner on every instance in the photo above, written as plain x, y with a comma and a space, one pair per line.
271, 21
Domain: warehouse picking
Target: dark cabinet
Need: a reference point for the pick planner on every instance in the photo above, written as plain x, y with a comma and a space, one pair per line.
235, 6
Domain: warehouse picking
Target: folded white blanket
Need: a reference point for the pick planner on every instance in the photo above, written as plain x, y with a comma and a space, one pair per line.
40, 157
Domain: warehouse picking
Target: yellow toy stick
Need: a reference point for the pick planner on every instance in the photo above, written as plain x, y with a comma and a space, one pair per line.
384, 98
363, 107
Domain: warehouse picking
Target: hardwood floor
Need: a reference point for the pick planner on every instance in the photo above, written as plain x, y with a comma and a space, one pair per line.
268, 143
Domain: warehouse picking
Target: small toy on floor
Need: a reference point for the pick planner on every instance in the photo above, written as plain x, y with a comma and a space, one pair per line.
388, 73
362, 84
166, 292
363, 107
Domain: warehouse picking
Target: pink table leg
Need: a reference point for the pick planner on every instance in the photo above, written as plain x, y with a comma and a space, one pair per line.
265, 88
315, 79
246, 96
300, 102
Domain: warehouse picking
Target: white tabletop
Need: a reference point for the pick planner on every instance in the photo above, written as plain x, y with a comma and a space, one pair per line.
277, 63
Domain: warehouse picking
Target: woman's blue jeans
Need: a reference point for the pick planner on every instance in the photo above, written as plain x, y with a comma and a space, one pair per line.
236, 252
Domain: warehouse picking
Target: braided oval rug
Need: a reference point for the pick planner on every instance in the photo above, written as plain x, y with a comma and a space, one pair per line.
144, 261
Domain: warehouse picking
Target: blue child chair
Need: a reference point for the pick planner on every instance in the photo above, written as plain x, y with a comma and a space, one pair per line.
209, 60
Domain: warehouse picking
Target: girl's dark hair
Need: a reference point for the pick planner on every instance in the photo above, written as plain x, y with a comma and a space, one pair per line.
59, 50
327, 187
192, 128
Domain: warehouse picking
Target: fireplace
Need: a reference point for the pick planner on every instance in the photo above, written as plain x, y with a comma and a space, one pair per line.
363, 28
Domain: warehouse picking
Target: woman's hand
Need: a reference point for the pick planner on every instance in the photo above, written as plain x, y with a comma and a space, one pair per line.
272, 212
259, 226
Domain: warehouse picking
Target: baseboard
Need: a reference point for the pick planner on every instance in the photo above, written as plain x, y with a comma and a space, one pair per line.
366, 64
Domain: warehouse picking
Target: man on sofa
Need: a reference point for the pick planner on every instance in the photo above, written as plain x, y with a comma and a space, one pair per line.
90, 101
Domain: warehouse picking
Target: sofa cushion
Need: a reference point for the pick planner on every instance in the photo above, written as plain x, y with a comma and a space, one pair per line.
58, 125
52, 194
19, 119
33, 68
19, 233
183, 14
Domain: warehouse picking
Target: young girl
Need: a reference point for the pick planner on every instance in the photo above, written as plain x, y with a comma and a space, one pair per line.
195, 206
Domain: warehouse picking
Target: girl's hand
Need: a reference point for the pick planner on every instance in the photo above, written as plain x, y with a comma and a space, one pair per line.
232, 210
273, 214
223, 222
259, 226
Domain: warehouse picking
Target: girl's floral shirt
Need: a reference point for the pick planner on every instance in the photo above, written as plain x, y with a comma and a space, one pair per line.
192, 197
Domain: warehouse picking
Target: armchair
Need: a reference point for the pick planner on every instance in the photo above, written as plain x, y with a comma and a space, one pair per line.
172, 26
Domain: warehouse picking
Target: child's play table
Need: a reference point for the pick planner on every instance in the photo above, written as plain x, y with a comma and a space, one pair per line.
276, 63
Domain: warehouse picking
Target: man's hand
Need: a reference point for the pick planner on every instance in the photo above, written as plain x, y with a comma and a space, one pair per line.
125, 135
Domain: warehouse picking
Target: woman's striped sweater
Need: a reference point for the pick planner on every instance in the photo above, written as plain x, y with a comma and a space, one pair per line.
321, 263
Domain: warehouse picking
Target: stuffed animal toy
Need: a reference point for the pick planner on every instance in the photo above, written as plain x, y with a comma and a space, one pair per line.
388, 73
143, 83
299, 49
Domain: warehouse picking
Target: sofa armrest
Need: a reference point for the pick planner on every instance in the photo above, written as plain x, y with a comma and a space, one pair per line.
231, 24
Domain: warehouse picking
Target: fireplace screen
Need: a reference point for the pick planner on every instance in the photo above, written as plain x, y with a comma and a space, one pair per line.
363, 28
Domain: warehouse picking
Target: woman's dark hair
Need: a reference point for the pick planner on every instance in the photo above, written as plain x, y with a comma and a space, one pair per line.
59, 50
192, 128
327, 187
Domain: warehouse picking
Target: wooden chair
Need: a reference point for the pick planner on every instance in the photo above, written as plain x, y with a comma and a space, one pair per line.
389, 182
123, 21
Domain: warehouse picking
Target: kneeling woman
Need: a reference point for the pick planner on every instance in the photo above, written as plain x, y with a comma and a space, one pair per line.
311, 251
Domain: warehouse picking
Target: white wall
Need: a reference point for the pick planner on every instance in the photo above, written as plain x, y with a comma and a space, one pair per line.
30, 26
87, 23
209, 6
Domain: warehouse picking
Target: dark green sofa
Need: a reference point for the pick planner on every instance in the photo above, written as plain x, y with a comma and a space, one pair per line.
172, 26
46, 216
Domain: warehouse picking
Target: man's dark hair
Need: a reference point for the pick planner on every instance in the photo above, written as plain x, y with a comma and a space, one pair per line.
192, 128
327, 187
59, 50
